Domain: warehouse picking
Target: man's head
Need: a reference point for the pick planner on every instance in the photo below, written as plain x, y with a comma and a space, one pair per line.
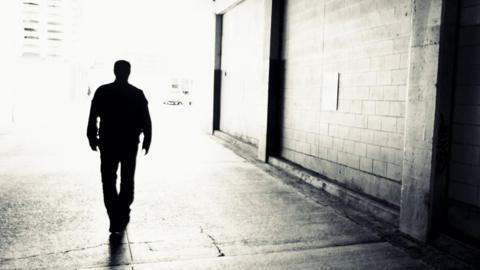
121, 70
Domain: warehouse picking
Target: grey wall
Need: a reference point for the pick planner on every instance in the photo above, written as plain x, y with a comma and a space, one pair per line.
380, 140
360, 144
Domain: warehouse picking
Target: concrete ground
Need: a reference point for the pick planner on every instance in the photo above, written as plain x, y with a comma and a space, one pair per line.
198, 205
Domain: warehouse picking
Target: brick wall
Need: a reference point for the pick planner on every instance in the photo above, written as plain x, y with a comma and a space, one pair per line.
360, 145
242, 97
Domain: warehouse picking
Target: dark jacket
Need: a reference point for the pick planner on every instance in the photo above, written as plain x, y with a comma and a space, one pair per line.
123, 112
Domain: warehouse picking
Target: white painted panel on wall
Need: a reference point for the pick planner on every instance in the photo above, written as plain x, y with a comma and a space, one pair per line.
330, 91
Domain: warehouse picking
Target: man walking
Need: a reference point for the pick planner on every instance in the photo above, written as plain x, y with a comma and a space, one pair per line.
123, 113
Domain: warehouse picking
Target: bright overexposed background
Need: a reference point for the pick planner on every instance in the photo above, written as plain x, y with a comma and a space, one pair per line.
168, 43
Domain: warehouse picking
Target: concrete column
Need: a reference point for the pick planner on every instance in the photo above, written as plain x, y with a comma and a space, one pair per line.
262, 134
417, 175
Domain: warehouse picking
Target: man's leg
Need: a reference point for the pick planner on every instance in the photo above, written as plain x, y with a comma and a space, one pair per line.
127, 173
108, 168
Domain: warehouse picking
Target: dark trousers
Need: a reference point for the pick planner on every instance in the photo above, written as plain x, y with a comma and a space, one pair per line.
118, 202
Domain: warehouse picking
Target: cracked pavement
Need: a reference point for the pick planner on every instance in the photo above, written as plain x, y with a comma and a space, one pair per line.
198, 205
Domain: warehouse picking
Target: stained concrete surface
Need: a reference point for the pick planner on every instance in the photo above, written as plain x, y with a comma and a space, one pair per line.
197, 205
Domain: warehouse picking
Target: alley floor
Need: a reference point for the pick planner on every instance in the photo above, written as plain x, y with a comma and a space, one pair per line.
198, 205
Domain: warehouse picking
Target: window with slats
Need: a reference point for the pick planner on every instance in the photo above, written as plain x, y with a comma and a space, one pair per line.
31, 12
43, 28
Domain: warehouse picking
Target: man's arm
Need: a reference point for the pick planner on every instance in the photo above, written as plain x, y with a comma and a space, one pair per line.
92, 129
146, 127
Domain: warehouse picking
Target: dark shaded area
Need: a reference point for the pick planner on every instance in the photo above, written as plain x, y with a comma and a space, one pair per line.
443, 125
217, 75
276, 92
463, 211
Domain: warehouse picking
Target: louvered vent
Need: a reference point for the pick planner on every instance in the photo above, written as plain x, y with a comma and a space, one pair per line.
32, 28
43, 28
54, 28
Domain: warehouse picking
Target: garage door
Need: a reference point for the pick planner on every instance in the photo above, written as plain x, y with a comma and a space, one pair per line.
242, 62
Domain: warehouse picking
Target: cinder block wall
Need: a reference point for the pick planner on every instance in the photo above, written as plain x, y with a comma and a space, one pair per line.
360, 145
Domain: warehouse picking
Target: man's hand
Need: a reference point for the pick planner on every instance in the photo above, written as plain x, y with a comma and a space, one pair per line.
93, 144
146, 148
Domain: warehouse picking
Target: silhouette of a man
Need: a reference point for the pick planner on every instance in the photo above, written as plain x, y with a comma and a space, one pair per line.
123, 113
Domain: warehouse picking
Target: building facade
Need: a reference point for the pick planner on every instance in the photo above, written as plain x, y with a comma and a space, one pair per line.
374, 101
